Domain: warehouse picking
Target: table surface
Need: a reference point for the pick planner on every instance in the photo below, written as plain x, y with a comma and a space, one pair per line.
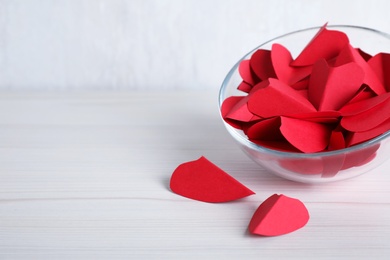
86, 176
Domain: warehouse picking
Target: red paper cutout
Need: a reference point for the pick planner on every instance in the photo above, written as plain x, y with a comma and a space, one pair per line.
350, 54
204, 181
380, 63
276, 99
267, 129
245, 87
261, 64
360, 157
326, 44
336, 141
359, 137
320, 116
303, 84
364, 54
305, 166
332, 165
278, 215
308, 137
363, 105
368, 119
331, 91
245, 72
281, 59
331, 87
238, 110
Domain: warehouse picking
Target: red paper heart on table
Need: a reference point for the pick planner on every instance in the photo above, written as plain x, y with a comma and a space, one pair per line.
278, 215
202, 180
326, 44
275, 98
332, 87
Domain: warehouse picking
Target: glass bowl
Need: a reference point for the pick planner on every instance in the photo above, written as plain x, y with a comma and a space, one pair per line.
322, 166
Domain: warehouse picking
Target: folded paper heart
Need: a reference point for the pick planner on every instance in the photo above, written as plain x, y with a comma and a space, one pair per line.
204, 181
332, 87
326, 44
297, 105
278, 215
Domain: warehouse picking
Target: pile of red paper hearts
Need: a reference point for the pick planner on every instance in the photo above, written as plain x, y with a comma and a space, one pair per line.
330, 97
204, 181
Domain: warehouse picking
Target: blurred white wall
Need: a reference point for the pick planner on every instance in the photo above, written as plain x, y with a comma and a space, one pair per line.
152, 44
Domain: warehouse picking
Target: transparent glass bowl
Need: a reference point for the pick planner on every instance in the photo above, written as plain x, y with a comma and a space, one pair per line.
314, 167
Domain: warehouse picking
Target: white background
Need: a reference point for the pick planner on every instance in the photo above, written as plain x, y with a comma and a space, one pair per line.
152, 44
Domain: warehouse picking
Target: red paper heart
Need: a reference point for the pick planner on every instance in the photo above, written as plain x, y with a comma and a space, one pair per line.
326, 44
360, 157
245, 72
303, 84
305, 166
275, 98
350, 54
261, 64
332, 87
244, 87
202, 180
364, 54
267, 129
364, 93
227, 105
332, 165
320, 116
278, 215
281, 59
363, 105
368, 119
359, 137
380, 63
336, 141
306, 136
236, 109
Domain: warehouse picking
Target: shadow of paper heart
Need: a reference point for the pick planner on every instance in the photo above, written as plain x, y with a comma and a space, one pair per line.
204, 134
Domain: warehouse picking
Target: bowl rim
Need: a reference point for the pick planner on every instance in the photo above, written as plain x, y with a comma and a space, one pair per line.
243, 140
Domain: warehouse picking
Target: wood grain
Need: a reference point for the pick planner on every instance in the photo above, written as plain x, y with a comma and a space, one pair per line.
85, 176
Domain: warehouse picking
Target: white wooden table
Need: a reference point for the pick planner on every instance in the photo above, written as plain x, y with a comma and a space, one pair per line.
86, 176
